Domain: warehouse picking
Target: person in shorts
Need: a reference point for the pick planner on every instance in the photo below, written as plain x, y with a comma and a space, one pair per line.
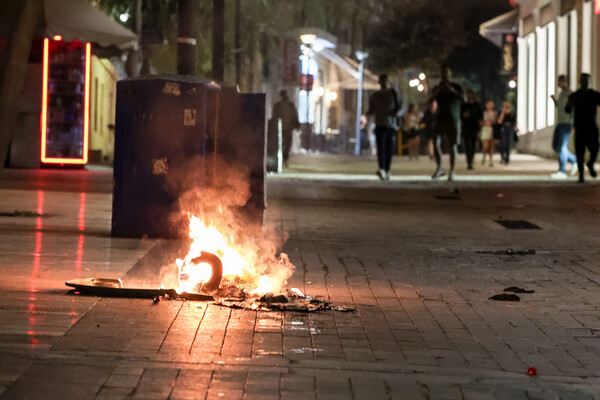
449, 97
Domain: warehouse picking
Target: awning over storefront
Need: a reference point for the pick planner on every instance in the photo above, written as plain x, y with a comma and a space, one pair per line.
348, 72
77, 19
71, 19
493, 29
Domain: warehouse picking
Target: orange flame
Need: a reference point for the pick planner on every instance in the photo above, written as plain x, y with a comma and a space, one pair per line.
243, 264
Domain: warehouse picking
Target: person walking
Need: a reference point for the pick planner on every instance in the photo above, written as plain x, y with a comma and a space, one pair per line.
384, 106
584, 104
428, 125
449, 96
507, 121
411, 129
285, 111
562, 131
490, 118
471, 116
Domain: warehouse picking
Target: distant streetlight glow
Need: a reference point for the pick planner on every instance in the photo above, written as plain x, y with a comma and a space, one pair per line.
422, 76
332, 96
124, 17
317, 47
512, 84
320, 91
57, 37
420, 87
308, 38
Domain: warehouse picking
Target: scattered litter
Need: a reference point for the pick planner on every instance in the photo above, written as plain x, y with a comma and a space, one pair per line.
509, 252
516, 289
505, 297
17, 213
156, 299
531, 371
277, 303
270, 298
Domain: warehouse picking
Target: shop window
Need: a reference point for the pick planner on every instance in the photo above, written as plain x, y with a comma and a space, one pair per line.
530, 82
586, 37
551, 72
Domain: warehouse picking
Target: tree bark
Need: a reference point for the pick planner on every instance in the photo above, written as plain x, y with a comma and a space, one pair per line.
186, 38
218, 67
15, 63
238, 41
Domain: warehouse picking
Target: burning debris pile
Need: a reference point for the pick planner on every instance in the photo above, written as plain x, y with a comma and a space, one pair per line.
228, 257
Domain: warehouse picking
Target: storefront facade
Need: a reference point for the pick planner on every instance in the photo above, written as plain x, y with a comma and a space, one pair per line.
556, 37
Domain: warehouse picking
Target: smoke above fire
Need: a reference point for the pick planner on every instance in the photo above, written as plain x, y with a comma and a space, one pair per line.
219, 219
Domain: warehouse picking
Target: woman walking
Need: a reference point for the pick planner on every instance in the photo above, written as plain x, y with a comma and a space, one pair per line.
470, 116
411, 129
507, 121
490, 117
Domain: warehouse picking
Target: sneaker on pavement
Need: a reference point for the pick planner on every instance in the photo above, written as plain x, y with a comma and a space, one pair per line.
451, 176
574, 169
381, 174
592, 170
387, 175
438, 173
558, 175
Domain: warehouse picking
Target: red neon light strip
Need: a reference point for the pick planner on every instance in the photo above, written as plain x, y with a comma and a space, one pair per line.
44, 99
597, 8
86, 109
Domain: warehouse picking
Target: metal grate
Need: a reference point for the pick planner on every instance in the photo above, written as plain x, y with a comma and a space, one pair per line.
516, 224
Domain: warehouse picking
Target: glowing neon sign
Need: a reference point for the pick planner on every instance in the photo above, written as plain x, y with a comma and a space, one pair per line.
64, 137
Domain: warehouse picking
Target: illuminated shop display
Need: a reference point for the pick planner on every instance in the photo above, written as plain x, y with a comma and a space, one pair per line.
65, 102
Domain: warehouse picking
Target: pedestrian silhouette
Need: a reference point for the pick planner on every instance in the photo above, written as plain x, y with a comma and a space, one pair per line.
584, 104
471, 116
562, 131
285, 111
490, 118
507, 121
449, 96
384, 105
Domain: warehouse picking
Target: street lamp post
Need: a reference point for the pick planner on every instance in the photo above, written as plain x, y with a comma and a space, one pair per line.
361, 56
307, 39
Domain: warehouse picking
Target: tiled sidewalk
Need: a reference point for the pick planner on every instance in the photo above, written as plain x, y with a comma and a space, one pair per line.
418, 268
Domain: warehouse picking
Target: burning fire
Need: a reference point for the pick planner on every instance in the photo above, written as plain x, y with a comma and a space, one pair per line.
243, 259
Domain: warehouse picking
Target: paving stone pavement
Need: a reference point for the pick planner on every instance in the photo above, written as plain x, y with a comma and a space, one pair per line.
418, 261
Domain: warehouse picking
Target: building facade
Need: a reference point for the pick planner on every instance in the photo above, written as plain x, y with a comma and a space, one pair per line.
556, 37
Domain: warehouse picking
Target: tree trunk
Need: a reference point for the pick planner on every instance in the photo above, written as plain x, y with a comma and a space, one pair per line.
218, 67
15, 63
238, 41
186, 38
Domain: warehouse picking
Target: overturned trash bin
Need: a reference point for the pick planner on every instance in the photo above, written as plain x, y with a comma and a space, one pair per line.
166, 126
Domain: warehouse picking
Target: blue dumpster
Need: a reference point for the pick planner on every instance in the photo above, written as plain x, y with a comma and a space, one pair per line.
165, 125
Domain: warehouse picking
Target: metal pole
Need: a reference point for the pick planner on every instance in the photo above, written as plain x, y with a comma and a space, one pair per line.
279, 146
308, 126
361, 67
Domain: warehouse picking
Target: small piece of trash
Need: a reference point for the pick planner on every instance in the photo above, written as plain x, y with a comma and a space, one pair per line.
295, 292
505, 297
516, 289
531, 371
156, 299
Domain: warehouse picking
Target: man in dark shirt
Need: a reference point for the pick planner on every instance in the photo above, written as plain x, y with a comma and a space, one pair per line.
285, 111
384, 105
584, 102
449, 96
471, 116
